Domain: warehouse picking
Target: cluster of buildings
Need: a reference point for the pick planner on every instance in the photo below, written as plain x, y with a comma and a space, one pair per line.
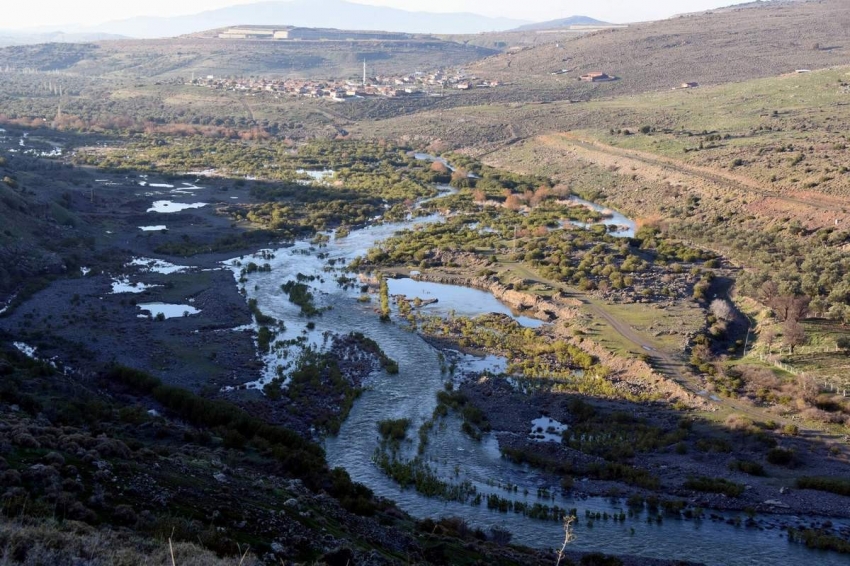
417, 84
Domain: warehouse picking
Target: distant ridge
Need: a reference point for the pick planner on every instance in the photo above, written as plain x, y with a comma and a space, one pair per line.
562, 23
312, 14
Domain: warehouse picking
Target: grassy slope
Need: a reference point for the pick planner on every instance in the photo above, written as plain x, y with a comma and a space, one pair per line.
809, 111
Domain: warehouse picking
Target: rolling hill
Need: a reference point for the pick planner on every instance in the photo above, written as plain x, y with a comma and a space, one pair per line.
180, 57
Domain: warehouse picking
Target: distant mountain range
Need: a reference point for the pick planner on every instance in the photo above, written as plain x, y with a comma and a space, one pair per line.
562, 23
31, 38
309, 13
306, 13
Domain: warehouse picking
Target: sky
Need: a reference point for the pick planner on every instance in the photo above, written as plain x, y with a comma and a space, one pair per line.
38, 13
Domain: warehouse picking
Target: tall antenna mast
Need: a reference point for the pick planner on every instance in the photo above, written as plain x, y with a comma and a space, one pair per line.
364, 72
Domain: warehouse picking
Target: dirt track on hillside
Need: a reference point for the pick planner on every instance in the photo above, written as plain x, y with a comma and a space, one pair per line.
815, 210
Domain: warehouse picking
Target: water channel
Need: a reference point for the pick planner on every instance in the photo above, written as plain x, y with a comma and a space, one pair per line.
411, 395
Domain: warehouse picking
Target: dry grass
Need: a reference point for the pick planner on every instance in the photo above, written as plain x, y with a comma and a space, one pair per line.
39, 543
665, 328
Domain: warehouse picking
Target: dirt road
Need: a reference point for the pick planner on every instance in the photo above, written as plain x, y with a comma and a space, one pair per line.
737, 183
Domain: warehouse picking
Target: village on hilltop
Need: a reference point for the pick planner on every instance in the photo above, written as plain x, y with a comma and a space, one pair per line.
389, 86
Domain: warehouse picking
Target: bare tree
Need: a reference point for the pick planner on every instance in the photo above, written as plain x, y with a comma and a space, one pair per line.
769, 291
561, 190
793, 334
439, 167
798, 307
460, 176
722, 310
513, 203
769, 335
540, 195
786, 307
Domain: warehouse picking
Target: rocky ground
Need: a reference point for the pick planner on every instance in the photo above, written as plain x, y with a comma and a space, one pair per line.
79, 319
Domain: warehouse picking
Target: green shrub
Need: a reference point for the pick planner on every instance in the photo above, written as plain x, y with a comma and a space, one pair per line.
232, 439
369, 345
748, 467
780, 457
300, 294
791, 430
394, 430
354, 497
841, 486
264, 339
299, 457
820, 540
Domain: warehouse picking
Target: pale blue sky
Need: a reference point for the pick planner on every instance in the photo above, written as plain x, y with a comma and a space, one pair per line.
31, 13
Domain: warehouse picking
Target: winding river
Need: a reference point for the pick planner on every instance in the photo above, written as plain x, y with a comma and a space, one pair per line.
411, 394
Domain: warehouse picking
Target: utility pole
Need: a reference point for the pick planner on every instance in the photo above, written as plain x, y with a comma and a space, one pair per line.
364, 72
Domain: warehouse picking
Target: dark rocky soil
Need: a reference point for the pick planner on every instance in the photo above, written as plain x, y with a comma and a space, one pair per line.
510, 413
